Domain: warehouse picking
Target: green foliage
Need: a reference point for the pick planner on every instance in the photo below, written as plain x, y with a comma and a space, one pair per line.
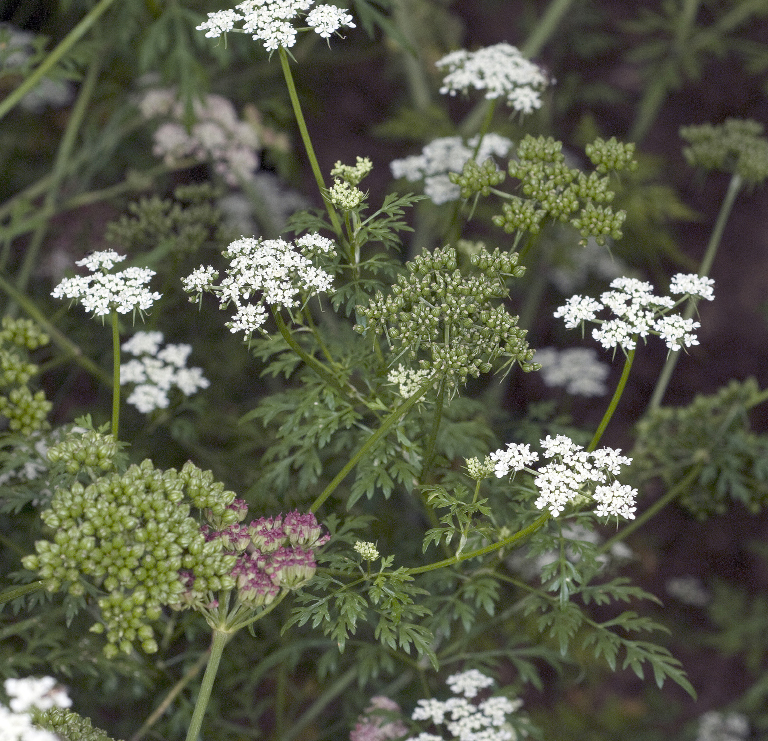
711, 437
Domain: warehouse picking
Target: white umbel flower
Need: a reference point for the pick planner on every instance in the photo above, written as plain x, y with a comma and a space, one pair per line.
501, 71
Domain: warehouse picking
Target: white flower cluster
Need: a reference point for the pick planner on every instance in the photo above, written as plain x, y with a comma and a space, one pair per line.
408, 380
367, 550
689, 590
272, 271
577, 369
501, 70
715, 726
156, 371
104, 292
639, 312
271, 21
464, 720
571, 472
217, 136
24, 694
445, 155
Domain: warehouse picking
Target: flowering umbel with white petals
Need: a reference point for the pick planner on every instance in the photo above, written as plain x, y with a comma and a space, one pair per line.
571, 474
272, 21
500, 70
638, 312
272, 272
104, 292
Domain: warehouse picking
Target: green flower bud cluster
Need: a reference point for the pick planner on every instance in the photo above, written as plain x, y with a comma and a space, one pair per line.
67, 725
611, 156
476, 178
736, 146
87, 450
132, 535
25, 411
556, 191
435, 308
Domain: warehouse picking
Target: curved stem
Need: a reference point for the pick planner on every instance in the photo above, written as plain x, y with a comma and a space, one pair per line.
511, 540
307, 141
386, 425
311, 361
220, 639
115, 374
706, 265
614, 401
54, 57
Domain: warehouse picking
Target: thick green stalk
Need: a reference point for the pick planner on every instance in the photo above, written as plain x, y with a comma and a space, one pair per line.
307, 141
386, 425
614, 400
220, 639
60, 166
115, 374
54, 57
706, 265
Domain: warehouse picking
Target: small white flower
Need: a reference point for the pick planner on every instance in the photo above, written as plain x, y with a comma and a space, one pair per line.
408, 380
577, 369
102, 293
693, 285
148, 397
327, 19
500, 70
515, 458
469, 683
143, 343
615, 500
41, 693
676, 331
175, 354
367, 550
578, 309
689, 590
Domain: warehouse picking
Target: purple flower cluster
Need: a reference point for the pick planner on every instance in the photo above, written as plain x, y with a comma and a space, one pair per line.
273, 553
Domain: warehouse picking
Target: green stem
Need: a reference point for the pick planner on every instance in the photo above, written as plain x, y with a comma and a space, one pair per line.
706, 265
386, 425
159, 711
61, 164
56, 336
614, 401
307, 141
16, 592
115, 374
311, 361
658, 505
545, 27
429, 450
54, 57
511, 540
220, 639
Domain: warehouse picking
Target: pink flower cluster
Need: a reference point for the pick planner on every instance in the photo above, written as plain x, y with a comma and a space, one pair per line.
274, 553
379, 722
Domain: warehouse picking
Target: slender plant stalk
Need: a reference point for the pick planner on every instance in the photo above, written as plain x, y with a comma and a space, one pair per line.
16, 592
706, 265
115, 374
386, 425
614, 400
55, 56
311, 361
307, 141
429, 450
503, 543
57, 337
220, 639
546, 27
60, 166
173, 693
